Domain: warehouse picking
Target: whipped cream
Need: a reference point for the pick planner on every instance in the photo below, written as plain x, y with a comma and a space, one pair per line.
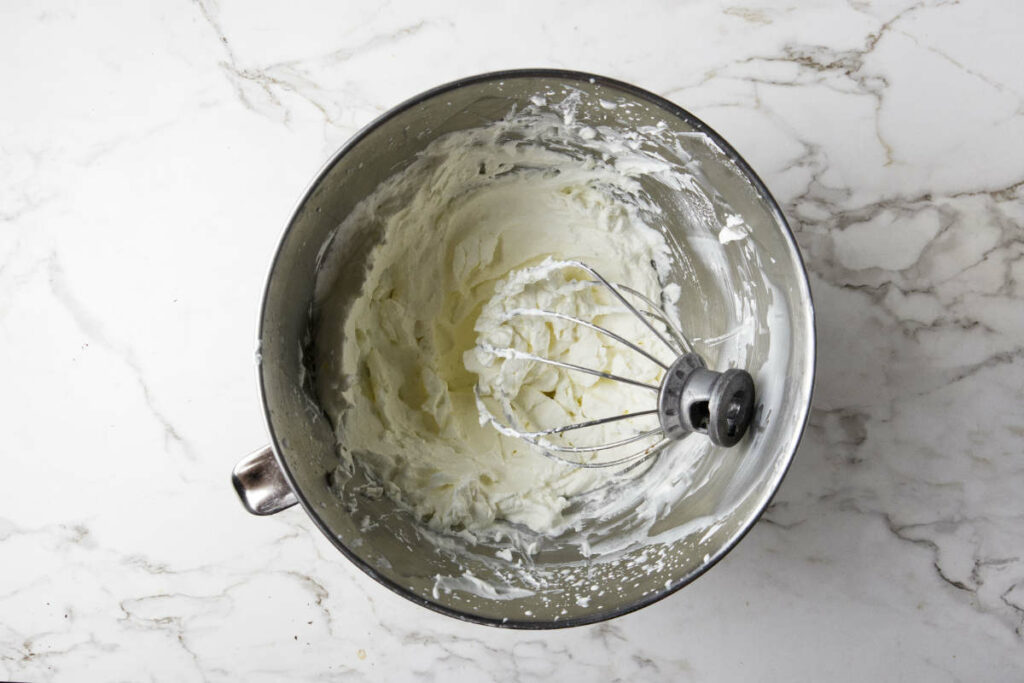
541, 313
464, 228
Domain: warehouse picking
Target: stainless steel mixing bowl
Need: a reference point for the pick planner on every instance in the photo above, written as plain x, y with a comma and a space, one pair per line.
299, 465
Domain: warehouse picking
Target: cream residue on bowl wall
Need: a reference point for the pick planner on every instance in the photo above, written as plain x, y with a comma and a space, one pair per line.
396, 367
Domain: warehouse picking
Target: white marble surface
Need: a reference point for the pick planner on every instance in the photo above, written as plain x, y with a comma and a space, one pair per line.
149, 157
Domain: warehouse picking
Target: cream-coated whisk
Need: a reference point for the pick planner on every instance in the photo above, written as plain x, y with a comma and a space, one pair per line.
691, 399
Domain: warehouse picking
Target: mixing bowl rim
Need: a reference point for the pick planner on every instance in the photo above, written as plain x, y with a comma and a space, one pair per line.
569, 77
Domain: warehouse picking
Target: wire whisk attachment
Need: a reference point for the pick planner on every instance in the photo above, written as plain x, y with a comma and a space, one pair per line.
535, 350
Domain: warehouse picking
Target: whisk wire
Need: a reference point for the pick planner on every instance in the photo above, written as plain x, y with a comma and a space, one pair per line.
513, 354
589, 423
537, 313
543, 443
655, 312
618, 295
551, 451
634, 458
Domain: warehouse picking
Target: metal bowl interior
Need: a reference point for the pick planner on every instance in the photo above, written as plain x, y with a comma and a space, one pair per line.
397, 551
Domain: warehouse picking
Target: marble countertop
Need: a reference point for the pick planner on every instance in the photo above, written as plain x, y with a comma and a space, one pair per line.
150, 155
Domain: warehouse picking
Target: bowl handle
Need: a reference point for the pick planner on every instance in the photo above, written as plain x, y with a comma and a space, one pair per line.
261, 485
